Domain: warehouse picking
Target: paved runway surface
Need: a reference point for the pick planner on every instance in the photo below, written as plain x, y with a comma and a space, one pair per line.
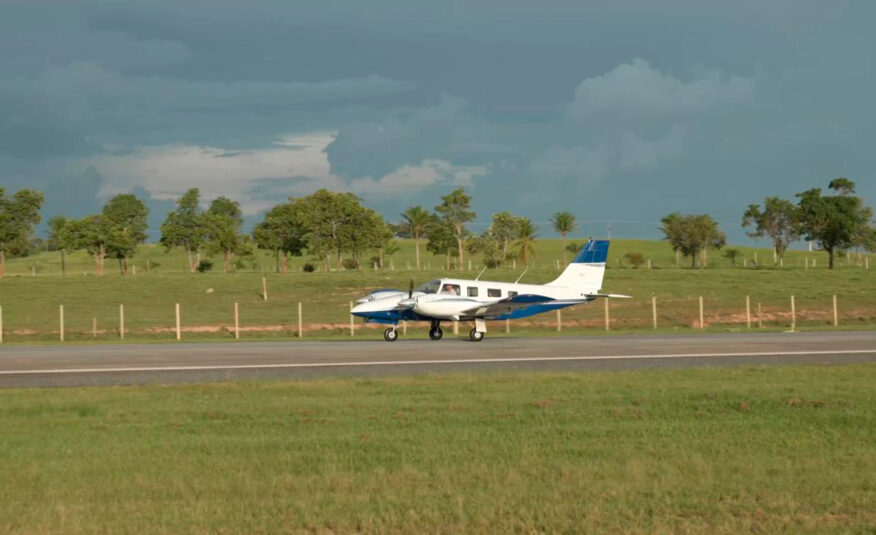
163, 363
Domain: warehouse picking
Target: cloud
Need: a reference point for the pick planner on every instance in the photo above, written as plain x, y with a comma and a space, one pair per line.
413, 178
637, 90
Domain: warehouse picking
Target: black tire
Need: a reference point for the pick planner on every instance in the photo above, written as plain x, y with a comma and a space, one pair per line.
390, 335
475, 336
436, 333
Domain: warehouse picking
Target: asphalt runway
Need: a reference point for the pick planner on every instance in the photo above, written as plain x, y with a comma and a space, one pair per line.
75, 365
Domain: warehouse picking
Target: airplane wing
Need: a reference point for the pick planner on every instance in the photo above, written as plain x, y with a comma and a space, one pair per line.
521, 306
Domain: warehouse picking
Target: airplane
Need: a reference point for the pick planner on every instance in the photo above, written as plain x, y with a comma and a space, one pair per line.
475, 300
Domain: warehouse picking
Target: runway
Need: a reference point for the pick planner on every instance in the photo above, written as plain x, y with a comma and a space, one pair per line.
25, 366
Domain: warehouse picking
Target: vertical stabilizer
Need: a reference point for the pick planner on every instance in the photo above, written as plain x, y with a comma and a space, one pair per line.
587, 269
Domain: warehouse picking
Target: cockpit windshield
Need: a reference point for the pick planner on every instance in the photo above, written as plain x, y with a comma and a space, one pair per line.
430, 287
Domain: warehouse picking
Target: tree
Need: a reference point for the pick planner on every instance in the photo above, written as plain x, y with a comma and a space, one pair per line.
128, 215
416, 219
505, 228
731, 254
331, 222
441, 239
693, 235
526, 240
779, 219
184, 227
489, 246
454, 211
53, 243
834, 221
564, 223
94, 233
222, 222
282, 232
18, 215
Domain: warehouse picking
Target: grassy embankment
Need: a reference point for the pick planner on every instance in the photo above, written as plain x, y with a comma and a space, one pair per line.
789, 449
30, 304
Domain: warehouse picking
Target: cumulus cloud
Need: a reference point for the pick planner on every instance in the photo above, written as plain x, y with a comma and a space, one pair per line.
637, 89
413, 178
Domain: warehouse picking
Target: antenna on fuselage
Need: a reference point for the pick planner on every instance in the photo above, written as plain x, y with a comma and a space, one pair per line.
481, 273
521, 275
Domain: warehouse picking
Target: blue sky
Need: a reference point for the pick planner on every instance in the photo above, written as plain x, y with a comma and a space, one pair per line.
621, 111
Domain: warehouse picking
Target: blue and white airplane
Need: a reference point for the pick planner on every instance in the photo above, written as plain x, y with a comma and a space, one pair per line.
479, 301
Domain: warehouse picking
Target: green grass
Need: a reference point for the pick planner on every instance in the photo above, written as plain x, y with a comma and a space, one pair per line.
30, 304
761, 449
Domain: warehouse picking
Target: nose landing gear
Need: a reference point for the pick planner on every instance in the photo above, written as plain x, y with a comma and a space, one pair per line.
435, 332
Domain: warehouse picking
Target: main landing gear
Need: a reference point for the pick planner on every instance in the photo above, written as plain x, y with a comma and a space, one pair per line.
390, 335
475, 336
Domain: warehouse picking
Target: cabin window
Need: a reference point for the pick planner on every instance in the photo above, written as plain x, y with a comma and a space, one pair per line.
512, 294
493, 292
472, 291
450, 289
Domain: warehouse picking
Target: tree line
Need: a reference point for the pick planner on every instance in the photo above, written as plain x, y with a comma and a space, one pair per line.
836, 222
337, 229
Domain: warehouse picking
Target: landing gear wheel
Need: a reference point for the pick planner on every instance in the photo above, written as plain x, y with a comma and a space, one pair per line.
436, 333
475, 336
390, 335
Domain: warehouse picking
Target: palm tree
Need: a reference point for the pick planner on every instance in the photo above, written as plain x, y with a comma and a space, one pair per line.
416, 219
564, 223
526, 240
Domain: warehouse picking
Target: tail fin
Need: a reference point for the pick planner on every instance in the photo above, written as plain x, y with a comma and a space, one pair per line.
587, 269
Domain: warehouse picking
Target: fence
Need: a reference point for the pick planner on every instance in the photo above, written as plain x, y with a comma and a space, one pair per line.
654, 313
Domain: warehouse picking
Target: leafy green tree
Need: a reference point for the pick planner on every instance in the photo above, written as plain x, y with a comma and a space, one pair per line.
731, 254
693, 235
128, 215
415, 221
442, 240
95, 233
779, 219
331, 219
489, 246
56, 225
455, 212
564, 223
185, 227
526, 240
837, 221
222, 222
505, 228
18, 214
282, 232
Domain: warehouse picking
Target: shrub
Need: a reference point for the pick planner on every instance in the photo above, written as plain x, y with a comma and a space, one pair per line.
635, 259
308, 268
204, 266
350, 263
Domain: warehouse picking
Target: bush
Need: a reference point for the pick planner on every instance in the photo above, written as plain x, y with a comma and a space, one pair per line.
635, 259
732, 254
308, 268
204, 266
350, 263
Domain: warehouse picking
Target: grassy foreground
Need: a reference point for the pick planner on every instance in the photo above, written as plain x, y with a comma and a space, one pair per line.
31, 303
711, 450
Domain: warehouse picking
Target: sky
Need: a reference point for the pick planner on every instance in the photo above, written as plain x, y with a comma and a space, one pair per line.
617, 111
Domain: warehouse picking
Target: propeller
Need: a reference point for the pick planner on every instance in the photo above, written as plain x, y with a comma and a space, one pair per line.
411, 289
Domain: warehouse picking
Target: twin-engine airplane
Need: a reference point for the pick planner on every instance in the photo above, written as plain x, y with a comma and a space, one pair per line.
476, 300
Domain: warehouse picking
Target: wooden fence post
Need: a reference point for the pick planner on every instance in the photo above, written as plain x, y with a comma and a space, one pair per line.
352, 324
649, 263
94, 328
264, 288
236, 321
835, 313
507, 326
300, 322
793, 315
121, 322
759, 316
178, 329
559, 320
748, 311
702, 322
607, 318
61, 321
654, 310
455, 327
404, 327
807, 263
1, 324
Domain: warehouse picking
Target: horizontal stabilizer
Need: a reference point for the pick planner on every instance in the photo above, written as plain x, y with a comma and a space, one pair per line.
611, 296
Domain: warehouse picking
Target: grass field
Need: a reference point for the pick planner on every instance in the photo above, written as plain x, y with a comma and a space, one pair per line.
759, 449
30, 303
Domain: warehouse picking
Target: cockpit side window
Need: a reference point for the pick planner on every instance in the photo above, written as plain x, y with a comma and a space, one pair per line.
450, 289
